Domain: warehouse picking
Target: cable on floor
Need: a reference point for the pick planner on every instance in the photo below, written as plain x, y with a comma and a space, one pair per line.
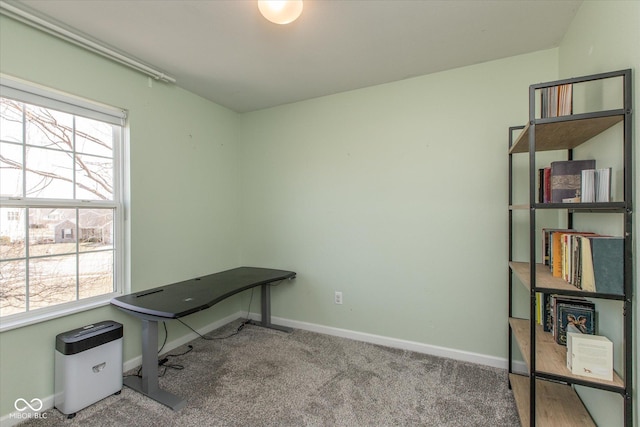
164, 361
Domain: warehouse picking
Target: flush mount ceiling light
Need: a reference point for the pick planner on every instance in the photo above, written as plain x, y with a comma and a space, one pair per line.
280, 11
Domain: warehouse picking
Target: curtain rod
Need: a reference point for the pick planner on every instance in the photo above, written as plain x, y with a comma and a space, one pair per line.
43, 23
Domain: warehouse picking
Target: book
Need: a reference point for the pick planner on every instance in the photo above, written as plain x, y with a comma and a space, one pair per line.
544, 185
574, 258
558, 253
590, 356
546, 244
556, 101
547, 318
603, 185
602, 264
565, 100
547, 185
540, 185
587, 189
572, 317
555, 251
595, 185
566, 178
555, 299
549, 102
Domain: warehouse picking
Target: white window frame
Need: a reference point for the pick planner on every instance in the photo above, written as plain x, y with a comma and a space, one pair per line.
30, 93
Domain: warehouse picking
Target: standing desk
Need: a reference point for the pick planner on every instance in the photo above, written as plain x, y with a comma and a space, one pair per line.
184, 298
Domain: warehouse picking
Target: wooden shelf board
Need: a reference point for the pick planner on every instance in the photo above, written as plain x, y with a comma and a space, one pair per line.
551, 357
544, 279
545, 282
564, 134
556, 404
519, 207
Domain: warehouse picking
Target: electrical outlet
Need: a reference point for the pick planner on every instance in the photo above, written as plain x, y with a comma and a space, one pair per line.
337, 297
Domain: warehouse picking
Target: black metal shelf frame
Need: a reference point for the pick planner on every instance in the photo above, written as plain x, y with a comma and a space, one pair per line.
585, 383
579, 293
582, 116
625, 207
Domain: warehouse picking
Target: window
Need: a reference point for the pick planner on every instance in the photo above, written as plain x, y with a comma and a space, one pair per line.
61, 211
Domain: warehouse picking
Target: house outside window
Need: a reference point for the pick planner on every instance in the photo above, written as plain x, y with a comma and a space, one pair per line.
61, 203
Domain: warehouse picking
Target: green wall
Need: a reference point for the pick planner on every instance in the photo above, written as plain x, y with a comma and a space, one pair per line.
395, 195
604, 36
183, 213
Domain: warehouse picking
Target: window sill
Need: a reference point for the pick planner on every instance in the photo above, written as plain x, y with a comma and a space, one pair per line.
42, 315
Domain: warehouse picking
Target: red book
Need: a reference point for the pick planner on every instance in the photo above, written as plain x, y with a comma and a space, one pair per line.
547, 185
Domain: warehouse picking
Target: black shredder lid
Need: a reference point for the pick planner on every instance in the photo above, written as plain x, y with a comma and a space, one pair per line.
88, 337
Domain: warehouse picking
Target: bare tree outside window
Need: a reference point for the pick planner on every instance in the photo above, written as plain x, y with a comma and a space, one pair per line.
57, 219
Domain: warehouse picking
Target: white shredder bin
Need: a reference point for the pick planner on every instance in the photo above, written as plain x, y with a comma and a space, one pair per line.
88, 365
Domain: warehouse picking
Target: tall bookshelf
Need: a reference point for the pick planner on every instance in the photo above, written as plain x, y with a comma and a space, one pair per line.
546, 394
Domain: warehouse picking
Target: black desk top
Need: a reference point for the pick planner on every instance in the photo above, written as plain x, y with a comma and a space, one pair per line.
183, 298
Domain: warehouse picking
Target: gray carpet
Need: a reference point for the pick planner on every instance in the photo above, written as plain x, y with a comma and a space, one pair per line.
262, 377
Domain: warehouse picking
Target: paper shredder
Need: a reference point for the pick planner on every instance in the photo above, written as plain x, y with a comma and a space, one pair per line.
88, 365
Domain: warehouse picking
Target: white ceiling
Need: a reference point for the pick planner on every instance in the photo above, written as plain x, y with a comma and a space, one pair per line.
225, 51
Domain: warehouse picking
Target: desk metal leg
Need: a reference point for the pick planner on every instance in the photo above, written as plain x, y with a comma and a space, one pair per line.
148, 384
266, 311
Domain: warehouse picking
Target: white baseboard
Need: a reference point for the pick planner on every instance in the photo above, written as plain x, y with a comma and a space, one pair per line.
466, 356
497, 362
482, 359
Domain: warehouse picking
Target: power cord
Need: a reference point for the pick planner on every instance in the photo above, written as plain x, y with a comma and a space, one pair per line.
166, 335
164, 361
240, 327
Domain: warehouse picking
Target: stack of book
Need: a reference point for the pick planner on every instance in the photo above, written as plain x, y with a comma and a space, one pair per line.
562, 182
589, 261
570, 314
595, 186
556, 101
574, 181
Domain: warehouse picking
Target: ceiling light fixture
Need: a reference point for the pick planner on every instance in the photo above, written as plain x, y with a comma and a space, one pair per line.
280, 11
